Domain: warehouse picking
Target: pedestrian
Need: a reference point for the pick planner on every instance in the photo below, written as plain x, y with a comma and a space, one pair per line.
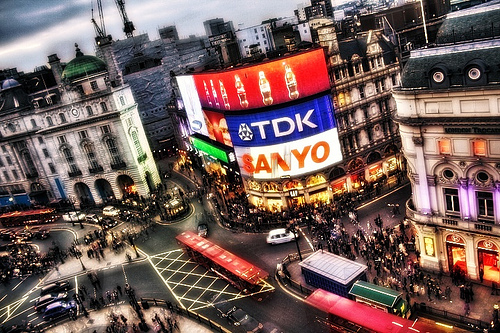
467, 309
481, 273
119, 289
494, 290
447, 293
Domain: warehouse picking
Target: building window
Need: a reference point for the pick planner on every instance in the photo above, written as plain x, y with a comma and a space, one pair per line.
6, 175
49, 121
485, 204
105, 129
394, 80
28, 162
113, 151
122, 100
357, 68
45, 152
93, 85
479, 147
14, 173
89, 110
4, 149
70, 160
382, 84
1, 163
33, 123
104, 107
61, 139
62, 117
452, 201
40, 140
9, 160
444, 146
89, 151
52, 168
83, 135
361, 91
79, 88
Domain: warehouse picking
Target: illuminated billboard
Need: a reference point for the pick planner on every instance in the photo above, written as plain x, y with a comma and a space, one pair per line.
290, 159
192, 104
289, 141
211, 149
262, 85
285, 124
217, 127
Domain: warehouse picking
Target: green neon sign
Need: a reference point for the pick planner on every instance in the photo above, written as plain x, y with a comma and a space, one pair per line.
209, 149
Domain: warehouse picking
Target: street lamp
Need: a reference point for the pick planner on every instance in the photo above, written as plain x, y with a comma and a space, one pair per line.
295, 230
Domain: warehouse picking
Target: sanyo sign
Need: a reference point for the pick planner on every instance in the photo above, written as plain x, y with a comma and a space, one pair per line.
292, 158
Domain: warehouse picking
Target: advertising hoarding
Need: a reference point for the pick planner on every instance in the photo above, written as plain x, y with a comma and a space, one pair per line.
288, 141
210, 149
217, 127
285, 124
290, 159
264, 84
192, 104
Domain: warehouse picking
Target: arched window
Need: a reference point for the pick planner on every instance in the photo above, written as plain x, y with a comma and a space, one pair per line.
113, 150
88, 149
104, 107
49, 121
62, 117
90, 112
70, 160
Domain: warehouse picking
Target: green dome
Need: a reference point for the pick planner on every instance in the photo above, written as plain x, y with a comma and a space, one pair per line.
83, 65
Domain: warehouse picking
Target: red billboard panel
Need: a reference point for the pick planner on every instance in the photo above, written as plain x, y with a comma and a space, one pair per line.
217, 127
264, 84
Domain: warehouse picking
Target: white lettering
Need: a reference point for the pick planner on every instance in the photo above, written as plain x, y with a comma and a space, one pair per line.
260, 125
305, 121
276, 129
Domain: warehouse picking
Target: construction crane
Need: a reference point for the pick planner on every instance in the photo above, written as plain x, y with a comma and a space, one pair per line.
100, 29
128, 26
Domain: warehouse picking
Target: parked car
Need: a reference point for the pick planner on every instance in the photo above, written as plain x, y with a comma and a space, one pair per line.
245, 322
74, 216
42, 233
282, 235
110, 211
45, 300
92, 218
108, 223
202, 229
55, 287
58, 309
223, 307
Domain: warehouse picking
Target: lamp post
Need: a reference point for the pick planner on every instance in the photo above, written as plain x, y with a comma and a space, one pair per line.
295, 230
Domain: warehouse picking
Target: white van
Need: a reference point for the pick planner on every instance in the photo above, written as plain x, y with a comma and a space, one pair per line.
282, 235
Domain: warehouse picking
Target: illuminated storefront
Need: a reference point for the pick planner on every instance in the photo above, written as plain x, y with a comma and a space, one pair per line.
455, 246
487, 257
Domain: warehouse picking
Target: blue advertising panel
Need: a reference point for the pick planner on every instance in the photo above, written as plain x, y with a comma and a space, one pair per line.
281, 125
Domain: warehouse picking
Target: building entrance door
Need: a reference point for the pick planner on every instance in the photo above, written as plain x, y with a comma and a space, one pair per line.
457, 261
487, 255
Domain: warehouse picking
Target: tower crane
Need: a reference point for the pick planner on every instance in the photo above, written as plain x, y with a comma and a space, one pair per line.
128, 26
100, 29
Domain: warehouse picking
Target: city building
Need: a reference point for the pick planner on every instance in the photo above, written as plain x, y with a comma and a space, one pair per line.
255, 40
223, 40
363, 71
72, 132
448, 110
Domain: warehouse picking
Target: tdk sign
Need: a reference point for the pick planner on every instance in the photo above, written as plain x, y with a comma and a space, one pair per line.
281, 125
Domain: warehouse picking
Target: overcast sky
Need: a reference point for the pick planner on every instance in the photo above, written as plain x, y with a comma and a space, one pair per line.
30, 30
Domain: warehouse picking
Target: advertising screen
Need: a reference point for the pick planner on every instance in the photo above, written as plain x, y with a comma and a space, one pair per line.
282, 124
192, 104
290, 159
209, 149
217, 127
265, 84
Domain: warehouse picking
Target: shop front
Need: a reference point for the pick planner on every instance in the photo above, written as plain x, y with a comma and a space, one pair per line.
375, 172
455, 247
487, 256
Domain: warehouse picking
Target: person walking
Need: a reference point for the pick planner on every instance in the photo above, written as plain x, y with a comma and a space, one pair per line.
467, 309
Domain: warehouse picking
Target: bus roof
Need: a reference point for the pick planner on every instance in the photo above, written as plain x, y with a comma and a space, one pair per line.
223, 258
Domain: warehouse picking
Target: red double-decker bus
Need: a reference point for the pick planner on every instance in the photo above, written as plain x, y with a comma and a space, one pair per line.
345, 315
28, 217
240, 273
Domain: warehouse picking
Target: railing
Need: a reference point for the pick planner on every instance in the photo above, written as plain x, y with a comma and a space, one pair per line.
470, 324
118, 166
145, 302
96, 169
75, 173
439, 220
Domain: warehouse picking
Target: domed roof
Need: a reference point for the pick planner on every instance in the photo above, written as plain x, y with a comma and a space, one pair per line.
83, 65
9, 83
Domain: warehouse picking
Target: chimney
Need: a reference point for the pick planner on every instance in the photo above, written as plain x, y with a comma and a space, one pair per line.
55, 66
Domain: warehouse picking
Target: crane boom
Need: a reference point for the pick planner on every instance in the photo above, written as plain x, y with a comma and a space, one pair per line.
128, 26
